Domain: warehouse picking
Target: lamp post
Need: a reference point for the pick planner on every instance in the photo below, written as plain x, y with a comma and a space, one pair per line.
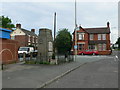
75, 46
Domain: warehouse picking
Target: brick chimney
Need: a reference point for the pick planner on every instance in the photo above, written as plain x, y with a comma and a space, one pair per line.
33, 30
18, 26
108, 24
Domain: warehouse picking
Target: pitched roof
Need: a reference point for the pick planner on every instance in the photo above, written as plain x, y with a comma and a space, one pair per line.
101, 30
28, 32
7, 28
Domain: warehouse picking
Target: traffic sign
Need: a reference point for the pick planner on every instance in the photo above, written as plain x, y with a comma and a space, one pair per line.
75, 46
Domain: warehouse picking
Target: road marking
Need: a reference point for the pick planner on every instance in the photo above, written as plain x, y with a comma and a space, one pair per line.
116, 56
115, 71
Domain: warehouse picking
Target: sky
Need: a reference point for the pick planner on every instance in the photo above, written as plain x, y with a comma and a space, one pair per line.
41, 14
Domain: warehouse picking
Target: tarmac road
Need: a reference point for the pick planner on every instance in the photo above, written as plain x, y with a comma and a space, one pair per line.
100, 74
102, 69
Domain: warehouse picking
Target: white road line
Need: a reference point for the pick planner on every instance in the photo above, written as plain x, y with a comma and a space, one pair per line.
116, 56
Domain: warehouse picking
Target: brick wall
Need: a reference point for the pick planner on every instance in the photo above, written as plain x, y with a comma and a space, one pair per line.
22, 39
8, 51
107, 52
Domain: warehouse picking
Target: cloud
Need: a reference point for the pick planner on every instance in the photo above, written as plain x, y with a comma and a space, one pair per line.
40, 14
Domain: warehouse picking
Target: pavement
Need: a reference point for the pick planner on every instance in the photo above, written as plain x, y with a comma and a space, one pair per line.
37, 76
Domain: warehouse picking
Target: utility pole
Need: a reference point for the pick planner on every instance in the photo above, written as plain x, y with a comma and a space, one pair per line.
75, 15
54, 25
75, 47
54, 32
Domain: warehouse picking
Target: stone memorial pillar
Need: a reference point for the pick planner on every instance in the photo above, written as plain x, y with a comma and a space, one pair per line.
45, 45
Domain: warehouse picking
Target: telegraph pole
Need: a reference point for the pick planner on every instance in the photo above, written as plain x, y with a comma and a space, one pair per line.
54, 32
75, 47
54, 25
75, 15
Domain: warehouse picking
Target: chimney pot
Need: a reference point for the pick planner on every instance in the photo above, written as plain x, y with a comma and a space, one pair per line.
108, 24
33, 30
18, 26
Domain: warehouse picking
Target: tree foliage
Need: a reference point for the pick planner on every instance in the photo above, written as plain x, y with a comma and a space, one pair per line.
6, 22
118, 42
63, 41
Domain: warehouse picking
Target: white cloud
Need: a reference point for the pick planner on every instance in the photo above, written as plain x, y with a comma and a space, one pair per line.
40, 14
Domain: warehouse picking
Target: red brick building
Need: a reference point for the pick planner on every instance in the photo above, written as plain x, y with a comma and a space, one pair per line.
93, 39
25, 37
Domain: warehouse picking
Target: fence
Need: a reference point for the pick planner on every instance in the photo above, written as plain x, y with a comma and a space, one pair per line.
24, 57
61, 58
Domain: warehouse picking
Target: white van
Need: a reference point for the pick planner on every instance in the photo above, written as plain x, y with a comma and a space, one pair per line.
26, 50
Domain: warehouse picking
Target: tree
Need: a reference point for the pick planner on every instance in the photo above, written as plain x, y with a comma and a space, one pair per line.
118, 42
6, 22
63, 41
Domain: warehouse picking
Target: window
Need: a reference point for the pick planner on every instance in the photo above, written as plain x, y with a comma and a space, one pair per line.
91, 47
29, 44
28, 38
103, 36
80, 46
104, 46
100, 47
81, 36
91, 36
99, 37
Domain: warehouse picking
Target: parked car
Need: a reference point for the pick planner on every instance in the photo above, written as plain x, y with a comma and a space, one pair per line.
26, 50
88, 52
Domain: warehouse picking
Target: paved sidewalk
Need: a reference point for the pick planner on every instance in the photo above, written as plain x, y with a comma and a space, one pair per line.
33, 76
